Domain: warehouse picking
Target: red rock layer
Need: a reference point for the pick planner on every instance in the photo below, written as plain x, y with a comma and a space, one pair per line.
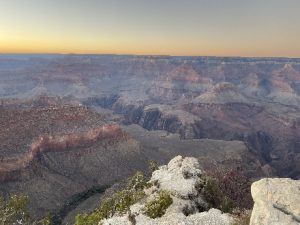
43, 144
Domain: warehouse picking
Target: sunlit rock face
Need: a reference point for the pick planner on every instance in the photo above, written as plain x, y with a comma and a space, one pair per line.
276, 202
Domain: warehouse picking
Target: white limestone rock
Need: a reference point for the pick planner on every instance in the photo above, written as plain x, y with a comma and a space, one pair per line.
212, 217
179, 177
276, 202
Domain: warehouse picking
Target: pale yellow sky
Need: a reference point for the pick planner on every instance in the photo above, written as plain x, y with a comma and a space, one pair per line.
168, 27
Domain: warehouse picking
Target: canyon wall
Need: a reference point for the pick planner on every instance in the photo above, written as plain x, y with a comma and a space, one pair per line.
11, 169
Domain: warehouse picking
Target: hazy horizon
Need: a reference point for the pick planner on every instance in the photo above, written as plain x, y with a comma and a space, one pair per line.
260, 28
146, 55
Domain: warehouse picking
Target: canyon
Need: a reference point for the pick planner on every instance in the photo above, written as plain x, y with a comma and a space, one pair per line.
72, 126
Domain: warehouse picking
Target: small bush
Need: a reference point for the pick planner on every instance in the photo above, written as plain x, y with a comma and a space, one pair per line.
232, 184
215, 197
13, 210
124, 199
137, 181
227, 205
152, 166
157, 207
211, 192
47, 220
106, 209
85, 219
118, 203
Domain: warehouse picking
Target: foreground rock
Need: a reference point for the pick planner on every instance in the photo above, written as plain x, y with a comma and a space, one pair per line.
277, 202
180, 178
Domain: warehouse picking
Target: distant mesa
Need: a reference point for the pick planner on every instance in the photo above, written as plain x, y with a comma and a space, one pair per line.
222, 93
184, 73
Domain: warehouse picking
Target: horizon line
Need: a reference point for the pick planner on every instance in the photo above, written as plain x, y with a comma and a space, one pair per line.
144, 55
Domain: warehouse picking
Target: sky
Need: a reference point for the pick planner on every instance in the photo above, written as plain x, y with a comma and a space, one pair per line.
152, 27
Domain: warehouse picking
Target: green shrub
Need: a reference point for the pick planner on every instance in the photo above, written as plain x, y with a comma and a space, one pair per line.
137, 181
47, 220
158, 206
13, 210
152, 166
118, 203
124, 199
227, 205
85, 219
215, 197
107, 208
211, 192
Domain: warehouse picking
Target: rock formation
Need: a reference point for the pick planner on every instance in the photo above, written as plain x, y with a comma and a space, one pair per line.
180, 178
276, 202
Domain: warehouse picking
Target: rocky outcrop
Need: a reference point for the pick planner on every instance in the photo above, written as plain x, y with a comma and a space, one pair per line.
162, 117
276, 202
180, 178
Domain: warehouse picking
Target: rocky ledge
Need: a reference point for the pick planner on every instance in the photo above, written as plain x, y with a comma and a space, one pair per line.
276, 202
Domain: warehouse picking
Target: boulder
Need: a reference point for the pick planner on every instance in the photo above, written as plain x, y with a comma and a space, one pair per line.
276, 202
179, 176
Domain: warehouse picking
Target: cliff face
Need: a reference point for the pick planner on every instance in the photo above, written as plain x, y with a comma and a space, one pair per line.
255, 124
